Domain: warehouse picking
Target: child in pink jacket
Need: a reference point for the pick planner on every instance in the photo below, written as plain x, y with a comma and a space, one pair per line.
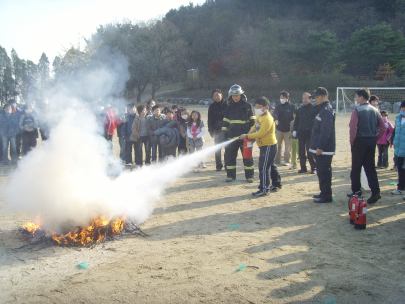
383, 142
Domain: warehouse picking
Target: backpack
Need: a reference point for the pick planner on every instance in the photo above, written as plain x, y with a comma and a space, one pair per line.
164, 140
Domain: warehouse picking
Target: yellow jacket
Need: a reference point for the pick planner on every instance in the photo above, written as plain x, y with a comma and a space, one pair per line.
266, 136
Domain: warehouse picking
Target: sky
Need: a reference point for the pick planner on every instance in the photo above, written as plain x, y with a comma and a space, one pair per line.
32, 27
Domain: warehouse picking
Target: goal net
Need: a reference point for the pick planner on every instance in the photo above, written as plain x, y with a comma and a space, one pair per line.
390, 98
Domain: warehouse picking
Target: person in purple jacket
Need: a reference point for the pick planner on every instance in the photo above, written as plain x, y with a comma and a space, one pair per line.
383, 142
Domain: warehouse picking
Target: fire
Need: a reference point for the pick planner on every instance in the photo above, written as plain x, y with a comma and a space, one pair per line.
31, 227
99, 229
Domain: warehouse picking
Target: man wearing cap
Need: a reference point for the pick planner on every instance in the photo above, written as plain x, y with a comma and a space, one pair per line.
366, 127
216, 112
238, 119
323, 144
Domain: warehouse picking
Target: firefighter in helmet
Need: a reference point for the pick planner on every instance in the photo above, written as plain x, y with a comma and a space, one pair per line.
238, 119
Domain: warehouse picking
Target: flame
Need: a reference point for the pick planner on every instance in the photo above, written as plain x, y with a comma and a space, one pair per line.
95, 232
31, 227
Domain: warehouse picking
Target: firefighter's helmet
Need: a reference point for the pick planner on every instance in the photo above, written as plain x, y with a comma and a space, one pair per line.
235, 90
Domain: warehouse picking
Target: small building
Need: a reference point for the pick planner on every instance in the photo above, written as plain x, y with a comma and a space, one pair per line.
192, 74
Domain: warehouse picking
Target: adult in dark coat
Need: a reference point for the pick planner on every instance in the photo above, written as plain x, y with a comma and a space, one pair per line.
323, 144
302, 129
216, 112
283, 116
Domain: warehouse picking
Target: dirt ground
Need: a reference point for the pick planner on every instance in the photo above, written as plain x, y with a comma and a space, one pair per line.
204, 230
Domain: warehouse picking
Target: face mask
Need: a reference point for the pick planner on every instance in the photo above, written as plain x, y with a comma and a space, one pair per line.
108, 106
13, 105
402, 113
258, 112
385, 119
283, 101
356, 103
28, 111
8, 112
184, 117
101, 108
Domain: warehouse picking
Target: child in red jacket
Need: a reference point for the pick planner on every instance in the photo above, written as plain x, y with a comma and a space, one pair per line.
109, 123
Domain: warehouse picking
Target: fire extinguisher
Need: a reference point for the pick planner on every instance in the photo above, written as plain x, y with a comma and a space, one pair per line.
247, 148
353, 202
361, 215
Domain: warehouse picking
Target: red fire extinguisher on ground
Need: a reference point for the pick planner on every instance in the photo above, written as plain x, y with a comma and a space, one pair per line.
361, 215
353, 202
247, 148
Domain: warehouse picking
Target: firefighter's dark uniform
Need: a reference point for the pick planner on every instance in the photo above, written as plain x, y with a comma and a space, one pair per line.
239, 118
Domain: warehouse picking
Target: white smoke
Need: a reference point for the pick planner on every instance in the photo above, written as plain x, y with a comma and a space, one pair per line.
65, 181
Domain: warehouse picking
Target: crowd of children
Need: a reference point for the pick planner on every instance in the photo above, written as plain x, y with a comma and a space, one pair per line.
145, 132
162, 133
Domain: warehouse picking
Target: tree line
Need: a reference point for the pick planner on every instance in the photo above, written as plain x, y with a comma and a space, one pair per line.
227, 39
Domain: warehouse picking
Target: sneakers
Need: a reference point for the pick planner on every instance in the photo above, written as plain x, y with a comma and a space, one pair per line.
249, 180
260, 193
396, 192
228, 179
286, 164
274, 188
198, 170
313, 171
203, 166
302, 171
293, 167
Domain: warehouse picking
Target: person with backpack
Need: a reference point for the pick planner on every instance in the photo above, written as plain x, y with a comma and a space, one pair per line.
168, 135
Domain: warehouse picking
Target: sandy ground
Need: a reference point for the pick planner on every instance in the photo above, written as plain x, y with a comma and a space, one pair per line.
295, 251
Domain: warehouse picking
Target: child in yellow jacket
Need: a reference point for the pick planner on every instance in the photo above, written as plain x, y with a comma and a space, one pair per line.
264, 132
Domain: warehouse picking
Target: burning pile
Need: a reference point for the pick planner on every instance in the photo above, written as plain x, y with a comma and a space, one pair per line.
99, 229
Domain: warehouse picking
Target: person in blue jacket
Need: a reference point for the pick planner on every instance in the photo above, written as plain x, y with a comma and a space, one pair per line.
323, 144
168, 135
126, 133
399, 150
9, 128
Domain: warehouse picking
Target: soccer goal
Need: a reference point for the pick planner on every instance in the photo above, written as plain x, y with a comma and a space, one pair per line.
390, 98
